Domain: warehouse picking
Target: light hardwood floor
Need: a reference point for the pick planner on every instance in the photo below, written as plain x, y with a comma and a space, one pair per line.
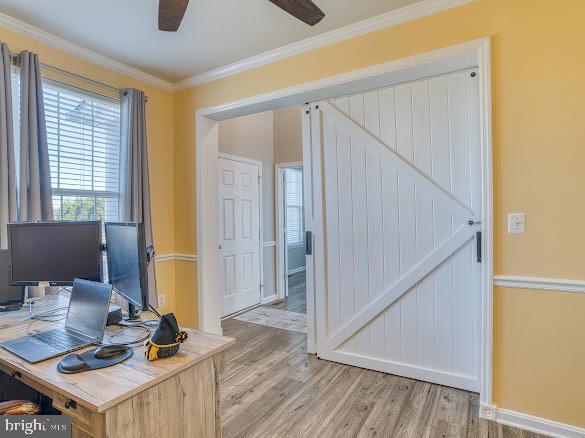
273, 388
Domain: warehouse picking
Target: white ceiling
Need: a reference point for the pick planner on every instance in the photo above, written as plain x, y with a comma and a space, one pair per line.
214, 33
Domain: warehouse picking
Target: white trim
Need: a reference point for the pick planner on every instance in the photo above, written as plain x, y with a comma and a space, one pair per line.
382, 21
74, 49
241, 160
282, 250
297, 270
419, 66
487, 244
548, 284
269, 244
538, 425
469, 54
269, 299
308, 204
292, 164
280, 232
176, 256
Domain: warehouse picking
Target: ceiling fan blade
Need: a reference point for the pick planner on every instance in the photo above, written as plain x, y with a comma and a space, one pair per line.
305, 10
170, 14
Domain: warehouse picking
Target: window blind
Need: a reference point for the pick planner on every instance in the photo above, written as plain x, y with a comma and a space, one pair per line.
83, 133
294, 206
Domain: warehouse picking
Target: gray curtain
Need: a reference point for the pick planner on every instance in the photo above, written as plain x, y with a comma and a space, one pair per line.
135, 186
8, 206
34, 191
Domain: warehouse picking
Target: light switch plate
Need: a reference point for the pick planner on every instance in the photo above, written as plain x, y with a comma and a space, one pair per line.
162, 300
516, 223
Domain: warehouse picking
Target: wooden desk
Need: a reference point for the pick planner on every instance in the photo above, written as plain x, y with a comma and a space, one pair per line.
174, 397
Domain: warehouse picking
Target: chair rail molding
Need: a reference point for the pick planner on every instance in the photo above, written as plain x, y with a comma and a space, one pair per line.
538, 283
176, 257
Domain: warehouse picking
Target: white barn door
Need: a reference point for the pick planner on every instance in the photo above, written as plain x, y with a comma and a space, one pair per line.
239, 235
401, 172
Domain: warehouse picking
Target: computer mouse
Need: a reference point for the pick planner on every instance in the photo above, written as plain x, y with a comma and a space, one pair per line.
108, 351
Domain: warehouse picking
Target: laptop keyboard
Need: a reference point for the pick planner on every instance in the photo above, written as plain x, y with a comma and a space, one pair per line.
59, 339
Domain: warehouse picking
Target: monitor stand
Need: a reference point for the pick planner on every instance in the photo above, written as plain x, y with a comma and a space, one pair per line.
133, 313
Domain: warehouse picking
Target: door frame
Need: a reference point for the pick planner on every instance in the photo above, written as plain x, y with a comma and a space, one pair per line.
260, 219
475, 53
281, 247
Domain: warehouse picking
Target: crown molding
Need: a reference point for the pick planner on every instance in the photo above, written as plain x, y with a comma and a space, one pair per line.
536, 283
81, 52
388, 19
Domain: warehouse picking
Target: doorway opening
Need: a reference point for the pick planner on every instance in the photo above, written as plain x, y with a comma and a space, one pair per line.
261, 216
323, 93
291, 244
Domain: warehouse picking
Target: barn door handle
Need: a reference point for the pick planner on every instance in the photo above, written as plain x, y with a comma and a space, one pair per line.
478, 245
308, 243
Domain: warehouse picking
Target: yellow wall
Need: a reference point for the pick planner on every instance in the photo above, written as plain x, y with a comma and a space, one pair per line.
538, 96
160, 135
540, 358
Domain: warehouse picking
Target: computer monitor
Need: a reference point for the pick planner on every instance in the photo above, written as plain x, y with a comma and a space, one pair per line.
9, 295
54, 253
127, 263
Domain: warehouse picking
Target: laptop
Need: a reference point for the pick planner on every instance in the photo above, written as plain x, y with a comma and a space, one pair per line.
84, 326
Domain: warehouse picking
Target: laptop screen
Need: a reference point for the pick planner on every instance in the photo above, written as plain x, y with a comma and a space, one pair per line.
88, 308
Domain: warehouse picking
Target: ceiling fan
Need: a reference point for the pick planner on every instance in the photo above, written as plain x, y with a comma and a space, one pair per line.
171, 12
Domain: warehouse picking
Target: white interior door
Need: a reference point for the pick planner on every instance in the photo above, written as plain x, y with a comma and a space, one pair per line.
401, 282
239, 235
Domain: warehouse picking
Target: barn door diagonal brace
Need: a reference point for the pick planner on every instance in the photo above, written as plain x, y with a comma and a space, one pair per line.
399, 288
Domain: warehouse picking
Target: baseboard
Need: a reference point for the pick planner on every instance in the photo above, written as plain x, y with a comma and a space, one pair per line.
538, 425
530, 423
269, 299
297, 270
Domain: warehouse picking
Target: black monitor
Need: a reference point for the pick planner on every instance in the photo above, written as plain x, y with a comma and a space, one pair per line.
54, 253
127, 263
9, 295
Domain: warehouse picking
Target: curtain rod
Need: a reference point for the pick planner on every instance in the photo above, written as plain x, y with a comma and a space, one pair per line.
77, 76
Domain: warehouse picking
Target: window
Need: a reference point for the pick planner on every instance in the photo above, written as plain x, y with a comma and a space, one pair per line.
295, 223
83, 133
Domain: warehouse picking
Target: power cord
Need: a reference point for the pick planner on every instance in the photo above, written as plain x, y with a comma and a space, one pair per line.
154, 311
139, 340
51, 315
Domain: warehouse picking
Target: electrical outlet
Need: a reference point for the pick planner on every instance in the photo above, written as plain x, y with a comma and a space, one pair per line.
162, 300
516, 223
